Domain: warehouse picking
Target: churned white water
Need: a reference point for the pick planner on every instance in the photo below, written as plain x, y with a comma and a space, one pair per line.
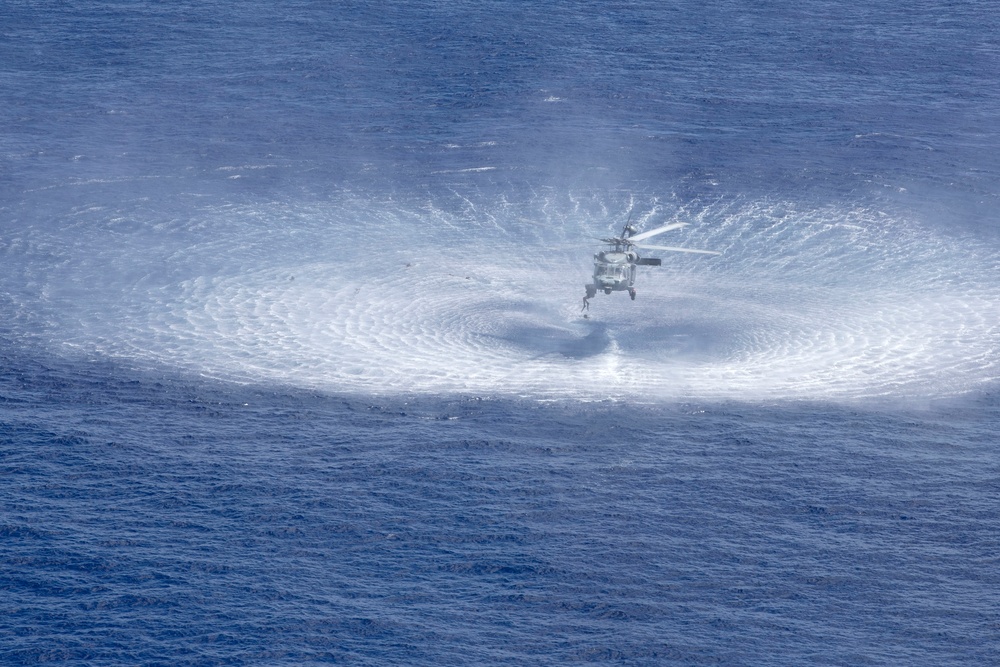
804, 303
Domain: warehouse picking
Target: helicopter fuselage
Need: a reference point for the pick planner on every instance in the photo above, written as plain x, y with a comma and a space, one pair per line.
614, 271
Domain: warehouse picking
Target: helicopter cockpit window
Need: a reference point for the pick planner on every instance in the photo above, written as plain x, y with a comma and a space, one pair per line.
611, 271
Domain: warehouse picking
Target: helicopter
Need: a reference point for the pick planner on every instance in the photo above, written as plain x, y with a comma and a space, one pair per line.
614, 268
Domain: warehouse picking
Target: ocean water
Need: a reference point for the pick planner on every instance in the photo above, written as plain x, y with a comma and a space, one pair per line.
293, 368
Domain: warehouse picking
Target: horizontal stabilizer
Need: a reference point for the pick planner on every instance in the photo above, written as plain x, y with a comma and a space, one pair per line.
648, 261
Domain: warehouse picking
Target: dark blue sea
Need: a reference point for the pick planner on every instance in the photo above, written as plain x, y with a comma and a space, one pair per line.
293, 367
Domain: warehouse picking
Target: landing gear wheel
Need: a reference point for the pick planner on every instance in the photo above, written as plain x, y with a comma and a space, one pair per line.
631, 293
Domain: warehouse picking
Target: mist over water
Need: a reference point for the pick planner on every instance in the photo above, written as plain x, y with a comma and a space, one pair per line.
484, 297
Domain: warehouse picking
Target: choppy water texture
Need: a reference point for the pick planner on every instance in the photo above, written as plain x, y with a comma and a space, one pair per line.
294, 368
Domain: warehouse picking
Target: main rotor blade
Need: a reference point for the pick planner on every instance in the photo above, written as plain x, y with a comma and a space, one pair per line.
673, 249
659, 230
